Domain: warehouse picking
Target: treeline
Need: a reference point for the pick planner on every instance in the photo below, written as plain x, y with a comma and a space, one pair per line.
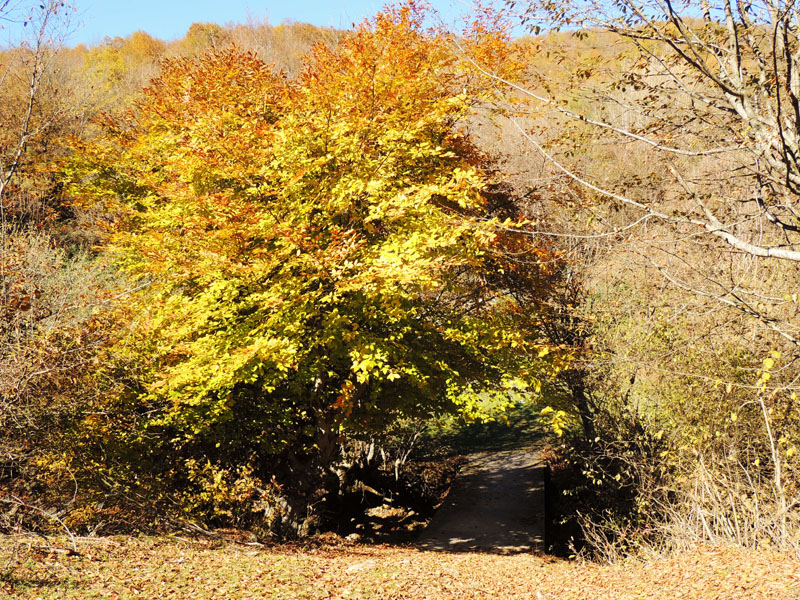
113, 72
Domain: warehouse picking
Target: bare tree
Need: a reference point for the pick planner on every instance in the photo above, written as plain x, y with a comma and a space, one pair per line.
40, 29
42, 288
665, 136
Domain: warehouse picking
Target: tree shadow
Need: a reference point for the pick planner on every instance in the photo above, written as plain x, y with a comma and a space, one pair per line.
498, 508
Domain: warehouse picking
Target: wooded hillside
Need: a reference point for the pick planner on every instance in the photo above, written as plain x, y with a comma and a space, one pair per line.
243, 270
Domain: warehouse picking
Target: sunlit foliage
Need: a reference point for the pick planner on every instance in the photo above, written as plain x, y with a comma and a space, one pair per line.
323, 254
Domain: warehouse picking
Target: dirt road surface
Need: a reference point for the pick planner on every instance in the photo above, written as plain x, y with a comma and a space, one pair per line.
497, 505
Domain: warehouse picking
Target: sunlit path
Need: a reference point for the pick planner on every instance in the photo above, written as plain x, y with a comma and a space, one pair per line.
496, 505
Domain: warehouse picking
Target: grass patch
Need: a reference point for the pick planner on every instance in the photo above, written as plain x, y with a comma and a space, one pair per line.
518, 427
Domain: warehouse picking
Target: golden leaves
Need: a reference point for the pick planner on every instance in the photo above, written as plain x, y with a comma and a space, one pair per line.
336, 223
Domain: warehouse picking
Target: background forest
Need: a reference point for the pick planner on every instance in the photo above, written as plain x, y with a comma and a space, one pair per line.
244, 271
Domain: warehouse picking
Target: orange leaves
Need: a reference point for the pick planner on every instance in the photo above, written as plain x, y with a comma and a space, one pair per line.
487, 44
344, 401
217, 83
388, 67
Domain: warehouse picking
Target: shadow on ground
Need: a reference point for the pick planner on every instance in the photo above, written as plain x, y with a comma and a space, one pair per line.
496, 505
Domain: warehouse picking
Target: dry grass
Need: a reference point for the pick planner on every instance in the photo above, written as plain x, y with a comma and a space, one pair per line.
153, 568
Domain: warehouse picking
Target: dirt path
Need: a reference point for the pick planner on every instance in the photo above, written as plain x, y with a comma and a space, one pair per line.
497, 504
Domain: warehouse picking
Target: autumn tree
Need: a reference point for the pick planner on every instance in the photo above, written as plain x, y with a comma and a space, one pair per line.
115, 71
321, 256
205, 36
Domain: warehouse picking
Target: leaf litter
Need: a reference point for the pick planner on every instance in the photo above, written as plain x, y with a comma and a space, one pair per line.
331, 568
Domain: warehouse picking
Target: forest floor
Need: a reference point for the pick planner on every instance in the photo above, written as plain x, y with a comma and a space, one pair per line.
117, 568
469, 551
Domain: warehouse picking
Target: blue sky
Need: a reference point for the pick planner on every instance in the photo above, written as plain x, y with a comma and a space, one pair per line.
169, 19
